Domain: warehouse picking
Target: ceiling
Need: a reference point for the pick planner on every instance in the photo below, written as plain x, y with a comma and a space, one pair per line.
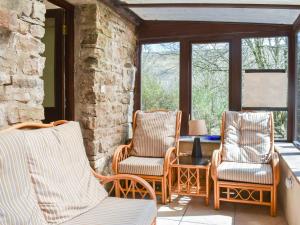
239, 15
237, 11
277, 2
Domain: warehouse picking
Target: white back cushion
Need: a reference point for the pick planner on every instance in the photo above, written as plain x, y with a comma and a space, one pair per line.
154, 133
61, 172
247, 137
18, 202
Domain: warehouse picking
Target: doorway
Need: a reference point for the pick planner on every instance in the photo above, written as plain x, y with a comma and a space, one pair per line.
58, 73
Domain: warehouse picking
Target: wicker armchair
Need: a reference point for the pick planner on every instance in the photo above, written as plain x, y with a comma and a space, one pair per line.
246, 169
152, 165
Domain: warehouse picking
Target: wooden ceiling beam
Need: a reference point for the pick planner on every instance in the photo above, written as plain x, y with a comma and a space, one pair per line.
126, 13
209, 5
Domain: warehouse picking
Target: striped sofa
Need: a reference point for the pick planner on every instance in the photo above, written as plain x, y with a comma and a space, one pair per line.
246, 169
45, 178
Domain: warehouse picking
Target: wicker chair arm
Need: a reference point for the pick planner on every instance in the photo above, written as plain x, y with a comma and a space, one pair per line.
126, 185
275, 167
170, 156
216, 161
120, 154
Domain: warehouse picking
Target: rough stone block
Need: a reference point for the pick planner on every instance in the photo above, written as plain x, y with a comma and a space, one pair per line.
27, 113
2, 114
4, 19
27, 8
25, 81
38, 11
37, 31
5, 79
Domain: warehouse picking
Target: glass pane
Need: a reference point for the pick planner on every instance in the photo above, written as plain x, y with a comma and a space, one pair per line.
265, 78
160, 76
280, 125
48, 76
265, 53
210, 76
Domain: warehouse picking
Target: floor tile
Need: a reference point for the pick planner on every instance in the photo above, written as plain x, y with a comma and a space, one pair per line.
197, 212
257, 215
163, 221
175, 210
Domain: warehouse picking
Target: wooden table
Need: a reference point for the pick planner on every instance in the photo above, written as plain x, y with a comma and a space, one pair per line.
190, 176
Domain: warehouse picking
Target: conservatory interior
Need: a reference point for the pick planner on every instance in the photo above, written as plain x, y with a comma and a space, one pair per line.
167, 112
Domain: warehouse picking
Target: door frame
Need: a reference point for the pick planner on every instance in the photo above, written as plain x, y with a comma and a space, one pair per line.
68, 87
59, 95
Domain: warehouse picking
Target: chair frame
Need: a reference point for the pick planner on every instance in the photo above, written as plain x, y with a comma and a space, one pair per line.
123, 152
239, 189
137, 185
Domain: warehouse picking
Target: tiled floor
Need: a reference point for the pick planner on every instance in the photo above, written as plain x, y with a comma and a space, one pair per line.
192, 211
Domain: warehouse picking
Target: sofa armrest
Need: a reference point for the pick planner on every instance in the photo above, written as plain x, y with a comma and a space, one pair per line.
275, 167
170, 157
216, 161
120, 154
126, 186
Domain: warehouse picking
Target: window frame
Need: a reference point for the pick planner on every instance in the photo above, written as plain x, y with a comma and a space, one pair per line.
235, 72
296, 140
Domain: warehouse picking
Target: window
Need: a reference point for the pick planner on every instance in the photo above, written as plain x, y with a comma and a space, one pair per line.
210, 78
160, 76
265, 79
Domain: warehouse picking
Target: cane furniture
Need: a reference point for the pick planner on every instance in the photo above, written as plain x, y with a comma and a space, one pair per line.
246, 169
157, 134
43, 181
190, 176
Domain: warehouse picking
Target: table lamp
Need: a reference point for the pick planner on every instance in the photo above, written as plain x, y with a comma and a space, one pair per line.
197, 128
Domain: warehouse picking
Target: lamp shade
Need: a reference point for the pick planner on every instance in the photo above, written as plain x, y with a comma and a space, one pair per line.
197, 127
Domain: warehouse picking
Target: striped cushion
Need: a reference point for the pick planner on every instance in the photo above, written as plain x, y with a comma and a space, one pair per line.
61, 173
154, 133
142, 166
246, 172
247, 137
18, 202
118, 211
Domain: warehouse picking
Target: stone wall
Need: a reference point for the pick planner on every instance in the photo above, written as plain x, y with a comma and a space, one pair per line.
21, 63
104, 77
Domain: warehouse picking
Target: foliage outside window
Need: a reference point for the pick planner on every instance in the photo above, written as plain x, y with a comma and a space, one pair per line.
160, 76
268, 54
210, 74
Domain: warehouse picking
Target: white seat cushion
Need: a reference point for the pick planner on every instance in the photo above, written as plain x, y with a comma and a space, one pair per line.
61, 173
118, 211
245, 172
18, 202
154, 133
247, 137
142, 166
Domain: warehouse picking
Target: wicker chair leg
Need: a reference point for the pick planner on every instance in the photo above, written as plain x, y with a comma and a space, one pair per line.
216, 195
164, 190
273, 207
